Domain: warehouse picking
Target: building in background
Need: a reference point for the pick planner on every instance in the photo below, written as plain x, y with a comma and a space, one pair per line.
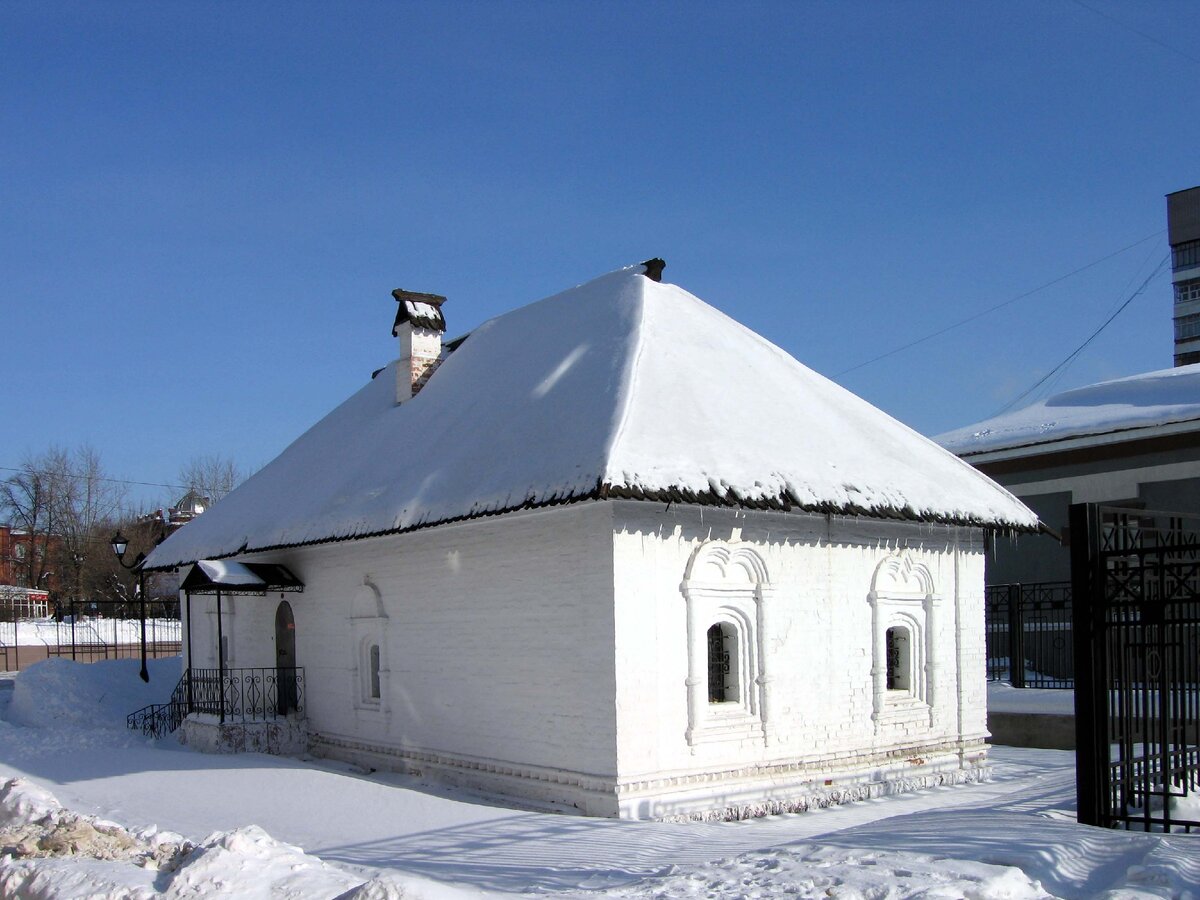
1183, 233
169, 519
26, 557
1133, 442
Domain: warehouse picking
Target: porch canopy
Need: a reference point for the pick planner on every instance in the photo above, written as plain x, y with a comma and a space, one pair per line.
220, 576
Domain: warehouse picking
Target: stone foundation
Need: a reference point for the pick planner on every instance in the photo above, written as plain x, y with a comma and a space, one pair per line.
717, 796
278, 737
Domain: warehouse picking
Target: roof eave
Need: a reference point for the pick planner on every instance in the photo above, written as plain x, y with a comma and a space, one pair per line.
1075, 441
671, 495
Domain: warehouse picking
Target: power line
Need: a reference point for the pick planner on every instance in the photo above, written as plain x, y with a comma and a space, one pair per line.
1074, 353
180, 487
992, 309
1137, 31
1050, 385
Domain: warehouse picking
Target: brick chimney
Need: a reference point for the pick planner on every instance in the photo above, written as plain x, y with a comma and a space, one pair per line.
420, 326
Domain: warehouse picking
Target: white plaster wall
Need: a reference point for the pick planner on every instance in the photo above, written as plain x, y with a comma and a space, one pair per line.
497, 650
817, 647
548, 649
203, 622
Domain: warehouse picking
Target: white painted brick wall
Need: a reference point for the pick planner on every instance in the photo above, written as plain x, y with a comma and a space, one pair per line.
555, 641
499, 638
819, 645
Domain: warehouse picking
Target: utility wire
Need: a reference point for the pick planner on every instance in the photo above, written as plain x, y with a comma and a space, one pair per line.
1074, 353
1137, 31
182, 487
1053, 382
992, 309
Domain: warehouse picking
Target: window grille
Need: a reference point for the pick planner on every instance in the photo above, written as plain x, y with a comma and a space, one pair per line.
718, 664
898, 658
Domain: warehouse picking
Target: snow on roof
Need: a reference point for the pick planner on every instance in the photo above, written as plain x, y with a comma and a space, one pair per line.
1140, 401
221, 571
422, 310
618, 387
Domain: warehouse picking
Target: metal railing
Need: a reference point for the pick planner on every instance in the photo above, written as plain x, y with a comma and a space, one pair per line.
1029, 637
159, 719
247, 695
240, 695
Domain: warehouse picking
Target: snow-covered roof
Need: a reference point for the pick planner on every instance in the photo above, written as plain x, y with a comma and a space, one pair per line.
1145, 401
620, 387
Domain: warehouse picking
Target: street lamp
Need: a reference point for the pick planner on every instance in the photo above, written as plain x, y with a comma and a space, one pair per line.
119, 545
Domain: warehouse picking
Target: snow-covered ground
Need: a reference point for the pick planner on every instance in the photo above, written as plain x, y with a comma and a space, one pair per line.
1037, 701
169, 822
87, 630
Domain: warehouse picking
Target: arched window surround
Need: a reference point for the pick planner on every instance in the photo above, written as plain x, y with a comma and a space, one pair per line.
369, 624
727, 584
903, 596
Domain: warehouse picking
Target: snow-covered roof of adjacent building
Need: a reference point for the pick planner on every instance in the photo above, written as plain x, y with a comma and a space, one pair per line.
1126, 408
620, 387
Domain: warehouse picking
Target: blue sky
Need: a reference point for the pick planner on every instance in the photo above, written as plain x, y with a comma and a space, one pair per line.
204, 207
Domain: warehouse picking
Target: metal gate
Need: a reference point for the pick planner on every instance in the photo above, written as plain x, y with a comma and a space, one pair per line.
1029, 634
1136, 585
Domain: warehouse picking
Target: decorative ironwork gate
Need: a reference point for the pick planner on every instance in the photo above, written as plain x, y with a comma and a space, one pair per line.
1136, 578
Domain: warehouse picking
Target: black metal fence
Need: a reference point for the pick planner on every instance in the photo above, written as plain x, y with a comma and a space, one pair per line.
89, 630
1137, 643
1029, 642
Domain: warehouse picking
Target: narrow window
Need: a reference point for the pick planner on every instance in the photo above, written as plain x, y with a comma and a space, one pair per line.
899, 659
373, 691
722, 664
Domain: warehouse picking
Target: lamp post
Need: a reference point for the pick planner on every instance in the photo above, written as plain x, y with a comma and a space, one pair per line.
119, 545
77, 558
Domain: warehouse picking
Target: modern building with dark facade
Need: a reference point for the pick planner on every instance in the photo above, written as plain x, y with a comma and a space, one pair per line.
1183, 233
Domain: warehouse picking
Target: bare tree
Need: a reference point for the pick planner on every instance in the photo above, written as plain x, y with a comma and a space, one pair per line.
66, 504
29, 500
211, 475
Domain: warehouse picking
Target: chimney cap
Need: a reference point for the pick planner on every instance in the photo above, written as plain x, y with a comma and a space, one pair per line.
654, 268
417, 297
420, 310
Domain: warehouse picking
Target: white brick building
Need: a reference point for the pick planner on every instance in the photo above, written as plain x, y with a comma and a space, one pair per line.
623, 554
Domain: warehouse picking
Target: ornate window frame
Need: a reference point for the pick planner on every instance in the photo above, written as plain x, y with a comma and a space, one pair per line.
903, 596
369, 624
728, 585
